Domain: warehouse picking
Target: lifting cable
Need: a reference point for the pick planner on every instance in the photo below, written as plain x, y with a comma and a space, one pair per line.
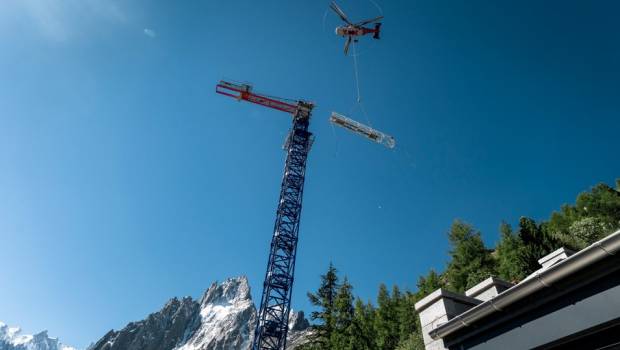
357, 78
357, 85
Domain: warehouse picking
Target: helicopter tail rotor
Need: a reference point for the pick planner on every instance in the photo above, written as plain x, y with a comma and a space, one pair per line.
377, 31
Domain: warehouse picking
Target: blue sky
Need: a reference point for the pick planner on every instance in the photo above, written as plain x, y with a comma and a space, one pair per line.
125, 180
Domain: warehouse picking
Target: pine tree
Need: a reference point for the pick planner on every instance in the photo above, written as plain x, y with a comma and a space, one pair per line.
407, 316
363, 333
508, 250
430, 283
324, 299
386, 320
471, 262
342, 335
537, 242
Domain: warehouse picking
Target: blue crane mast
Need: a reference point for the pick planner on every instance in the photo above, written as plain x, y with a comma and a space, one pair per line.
272, 322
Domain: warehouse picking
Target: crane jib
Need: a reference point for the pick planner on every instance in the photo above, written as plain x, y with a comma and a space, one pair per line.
243, 92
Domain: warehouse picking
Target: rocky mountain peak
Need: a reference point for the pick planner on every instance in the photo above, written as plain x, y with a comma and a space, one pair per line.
162, 330
227, 316
222, 320
232, 290
297, 321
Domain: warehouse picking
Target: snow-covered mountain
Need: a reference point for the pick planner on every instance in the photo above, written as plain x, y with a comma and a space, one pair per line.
226, 316
12, 339
223, 319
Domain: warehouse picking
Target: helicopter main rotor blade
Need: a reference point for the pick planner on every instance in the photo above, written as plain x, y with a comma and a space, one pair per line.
362, 23
346, 45
339, 12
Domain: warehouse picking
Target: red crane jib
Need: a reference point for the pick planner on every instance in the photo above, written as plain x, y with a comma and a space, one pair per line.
244, 92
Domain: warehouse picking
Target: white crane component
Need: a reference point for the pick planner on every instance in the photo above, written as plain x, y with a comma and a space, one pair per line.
364, 130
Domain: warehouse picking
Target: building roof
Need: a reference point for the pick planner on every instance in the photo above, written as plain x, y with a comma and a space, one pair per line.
541, 279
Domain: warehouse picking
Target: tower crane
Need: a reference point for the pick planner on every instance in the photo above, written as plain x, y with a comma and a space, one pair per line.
272, 323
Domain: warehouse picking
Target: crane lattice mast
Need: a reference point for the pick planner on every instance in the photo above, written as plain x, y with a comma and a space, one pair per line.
272, 323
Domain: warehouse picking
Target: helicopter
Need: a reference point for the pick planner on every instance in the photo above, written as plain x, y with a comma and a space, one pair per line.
352, 31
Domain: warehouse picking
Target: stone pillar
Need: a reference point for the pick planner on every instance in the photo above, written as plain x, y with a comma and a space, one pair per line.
554, 257
488, 289
437, 308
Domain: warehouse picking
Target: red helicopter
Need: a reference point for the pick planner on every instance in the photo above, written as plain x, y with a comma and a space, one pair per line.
354, 30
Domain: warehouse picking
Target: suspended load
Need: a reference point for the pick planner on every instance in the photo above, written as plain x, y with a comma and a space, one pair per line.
364, 130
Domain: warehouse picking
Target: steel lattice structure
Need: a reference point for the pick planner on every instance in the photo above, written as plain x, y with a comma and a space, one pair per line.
272, 323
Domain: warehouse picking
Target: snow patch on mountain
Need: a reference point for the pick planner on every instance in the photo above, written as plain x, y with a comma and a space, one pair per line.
226, 317
12, 339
